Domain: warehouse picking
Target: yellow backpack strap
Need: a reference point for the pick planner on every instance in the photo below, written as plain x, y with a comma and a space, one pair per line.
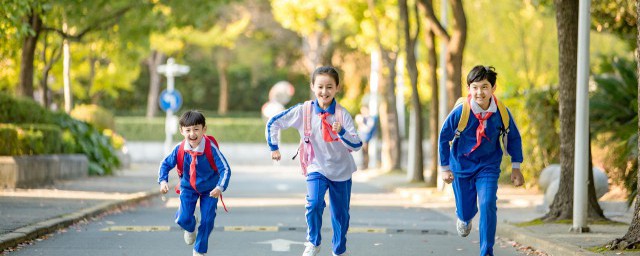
504, 114
464, 119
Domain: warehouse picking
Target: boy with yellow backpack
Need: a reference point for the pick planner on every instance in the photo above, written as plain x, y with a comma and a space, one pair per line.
470, 154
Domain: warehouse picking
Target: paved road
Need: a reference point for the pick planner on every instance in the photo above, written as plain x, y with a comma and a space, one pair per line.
267, 218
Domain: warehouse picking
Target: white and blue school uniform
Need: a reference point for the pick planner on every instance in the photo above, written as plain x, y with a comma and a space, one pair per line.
206, 180
331, 168
476, 173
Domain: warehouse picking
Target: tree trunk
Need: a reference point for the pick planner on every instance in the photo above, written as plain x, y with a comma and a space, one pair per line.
415, 133
223, 99
95, 97
631, 240
432, 173
389, 116
28, 53
594, 211
153, 61
456, 42
455, 49
48, 65
567, 26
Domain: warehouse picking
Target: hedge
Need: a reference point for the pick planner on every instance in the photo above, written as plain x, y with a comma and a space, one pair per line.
20, 110
225, 129
30, 139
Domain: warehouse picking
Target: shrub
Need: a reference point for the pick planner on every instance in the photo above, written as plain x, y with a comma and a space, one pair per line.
116, 140
9, 138
22, 110
246, 129
102, 157
97, 116
30, 139
34, 139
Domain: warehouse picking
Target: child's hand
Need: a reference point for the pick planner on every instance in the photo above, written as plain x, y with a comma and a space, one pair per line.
336, 127
164, 188
517, 178
215, 193
447, 177
275, 155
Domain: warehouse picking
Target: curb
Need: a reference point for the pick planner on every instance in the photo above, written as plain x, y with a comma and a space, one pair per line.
538, 242
36, 230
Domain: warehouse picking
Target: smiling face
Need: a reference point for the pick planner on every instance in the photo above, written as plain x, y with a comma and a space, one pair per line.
481, 93
324, 87
193, 134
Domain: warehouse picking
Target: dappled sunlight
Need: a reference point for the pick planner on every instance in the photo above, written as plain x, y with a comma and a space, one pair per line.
68, 194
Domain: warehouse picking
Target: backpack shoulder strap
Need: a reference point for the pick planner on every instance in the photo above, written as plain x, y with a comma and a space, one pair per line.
306, 118
464, 118
208, 151
338, 113
180, 158
503, 114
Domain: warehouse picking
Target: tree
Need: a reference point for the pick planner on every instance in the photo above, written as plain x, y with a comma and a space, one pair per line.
320, 23
567, 28
415, 133
631, 240
432, 173
388, 112
456, 41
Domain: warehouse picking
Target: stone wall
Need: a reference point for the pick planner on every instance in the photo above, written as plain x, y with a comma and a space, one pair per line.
41, 170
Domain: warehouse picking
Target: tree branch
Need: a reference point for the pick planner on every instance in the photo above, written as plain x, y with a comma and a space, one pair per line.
436, 26
102, 23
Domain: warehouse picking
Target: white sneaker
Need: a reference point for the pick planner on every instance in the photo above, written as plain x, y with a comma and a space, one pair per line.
189, 237
197, 253
463, 228
310, 249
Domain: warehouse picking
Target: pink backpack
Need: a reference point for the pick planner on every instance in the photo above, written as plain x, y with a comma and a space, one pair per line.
306, 149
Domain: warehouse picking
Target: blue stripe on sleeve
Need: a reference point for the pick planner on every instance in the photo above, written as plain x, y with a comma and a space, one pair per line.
273, 119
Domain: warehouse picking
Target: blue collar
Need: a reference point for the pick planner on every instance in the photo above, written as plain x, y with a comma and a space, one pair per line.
331, 109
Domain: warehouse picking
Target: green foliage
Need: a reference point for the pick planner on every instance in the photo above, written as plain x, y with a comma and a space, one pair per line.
89, 141
30, 139
39, 139
21, 110
224, 129
537, 118
614, 118
616, 16
98, 116
9, 138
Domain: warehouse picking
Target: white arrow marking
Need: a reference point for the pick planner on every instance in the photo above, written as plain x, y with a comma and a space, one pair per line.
280, 245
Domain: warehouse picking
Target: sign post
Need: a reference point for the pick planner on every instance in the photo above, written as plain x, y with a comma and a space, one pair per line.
170, 99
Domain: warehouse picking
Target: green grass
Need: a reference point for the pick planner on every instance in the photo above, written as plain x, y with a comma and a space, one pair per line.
603, 249
227, 129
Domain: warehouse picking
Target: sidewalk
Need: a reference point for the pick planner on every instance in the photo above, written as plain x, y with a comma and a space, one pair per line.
517, 205
27, 214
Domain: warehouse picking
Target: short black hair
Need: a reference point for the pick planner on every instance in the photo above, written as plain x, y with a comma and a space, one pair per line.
480, 72
191, 118
326, 70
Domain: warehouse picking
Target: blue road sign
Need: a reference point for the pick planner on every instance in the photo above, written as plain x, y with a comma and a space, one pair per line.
170, 100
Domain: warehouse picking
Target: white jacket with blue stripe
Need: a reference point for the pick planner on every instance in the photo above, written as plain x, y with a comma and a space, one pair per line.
332, 159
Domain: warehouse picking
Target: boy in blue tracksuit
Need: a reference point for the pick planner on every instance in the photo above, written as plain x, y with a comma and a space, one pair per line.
472, 160
200, 179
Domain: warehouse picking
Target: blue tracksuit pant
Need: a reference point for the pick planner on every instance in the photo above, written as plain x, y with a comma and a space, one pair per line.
186, 219
340, 198
479, 190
